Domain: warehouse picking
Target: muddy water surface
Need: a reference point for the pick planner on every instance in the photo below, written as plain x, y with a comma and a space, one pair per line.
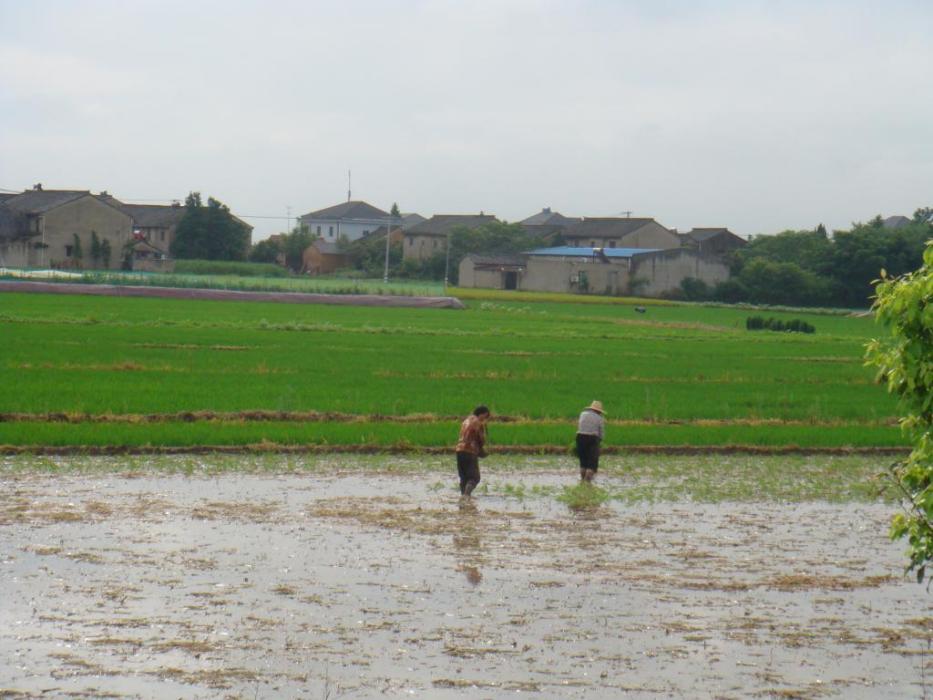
360, 584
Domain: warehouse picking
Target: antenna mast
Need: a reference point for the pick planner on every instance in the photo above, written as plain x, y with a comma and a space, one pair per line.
349, 185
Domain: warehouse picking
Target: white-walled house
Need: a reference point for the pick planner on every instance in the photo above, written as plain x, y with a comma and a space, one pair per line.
352, 220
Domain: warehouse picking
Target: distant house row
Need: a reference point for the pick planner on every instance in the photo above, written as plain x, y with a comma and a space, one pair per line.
70, 229
611, 255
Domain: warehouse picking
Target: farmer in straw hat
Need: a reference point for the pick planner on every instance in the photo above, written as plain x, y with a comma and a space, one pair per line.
589, 435
470, 447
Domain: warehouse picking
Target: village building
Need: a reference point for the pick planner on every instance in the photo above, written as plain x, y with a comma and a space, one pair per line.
323, 257
57, 228
712, 241
410, 219
617, 232
349, 220
154, 228
547, 222
588, 270
430, 237
896, 221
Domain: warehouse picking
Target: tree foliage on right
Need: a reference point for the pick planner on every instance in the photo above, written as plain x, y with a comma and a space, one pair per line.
210, 232
905, 363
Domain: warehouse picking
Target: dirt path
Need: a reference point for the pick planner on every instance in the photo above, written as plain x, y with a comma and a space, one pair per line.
119, 290
272, 585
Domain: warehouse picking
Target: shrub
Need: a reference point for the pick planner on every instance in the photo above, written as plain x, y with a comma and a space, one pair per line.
757, 323
229, 267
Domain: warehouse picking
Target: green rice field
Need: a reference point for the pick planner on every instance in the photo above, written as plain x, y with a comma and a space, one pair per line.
106, 371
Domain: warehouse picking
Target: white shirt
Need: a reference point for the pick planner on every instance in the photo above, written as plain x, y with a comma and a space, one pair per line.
591, 423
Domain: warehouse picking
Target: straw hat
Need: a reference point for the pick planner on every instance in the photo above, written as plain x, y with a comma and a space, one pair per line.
596, 406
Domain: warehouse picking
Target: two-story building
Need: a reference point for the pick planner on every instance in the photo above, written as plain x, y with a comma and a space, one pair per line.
350, 220
58, 228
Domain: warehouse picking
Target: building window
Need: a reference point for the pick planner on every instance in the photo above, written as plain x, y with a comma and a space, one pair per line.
365, 232
161, 235
319, 230
69, 250
330, 231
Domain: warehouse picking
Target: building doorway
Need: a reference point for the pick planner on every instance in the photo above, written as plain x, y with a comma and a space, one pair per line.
510, 280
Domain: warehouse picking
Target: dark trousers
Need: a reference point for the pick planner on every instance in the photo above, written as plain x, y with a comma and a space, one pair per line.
468, 469
588, 451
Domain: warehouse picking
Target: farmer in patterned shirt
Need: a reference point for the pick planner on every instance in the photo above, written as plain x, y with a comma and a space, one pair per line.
470, 449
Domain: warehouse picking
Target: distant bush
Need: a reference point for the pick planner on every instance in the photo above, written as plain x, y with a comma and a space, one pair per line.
229, 267
758, 323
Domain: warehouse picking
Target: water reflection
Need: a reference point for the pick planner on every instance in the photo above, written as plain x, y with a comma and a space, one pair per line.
468, 544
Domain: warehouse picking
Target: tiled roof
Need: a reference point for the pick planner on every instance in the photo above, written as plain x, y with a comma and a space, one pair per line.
149, 215
546, 217
567, 251
39, 201
411, 219
607, 227
895, 221
441, 224
348, 210
326, 247
702, 234
506, 260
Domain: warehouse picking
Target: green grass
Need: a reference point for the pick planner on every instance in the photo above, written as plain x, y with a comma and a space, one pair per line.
440, 433
542, 361
229, 267
199, 278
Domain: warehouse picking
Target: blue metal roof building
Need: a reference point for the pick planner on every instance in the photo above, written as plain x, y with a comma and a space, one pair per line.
566, 251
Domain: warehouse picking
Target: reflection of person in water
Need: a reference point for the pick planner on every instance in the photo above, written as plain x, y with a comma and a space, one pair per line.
467, 543
470, 449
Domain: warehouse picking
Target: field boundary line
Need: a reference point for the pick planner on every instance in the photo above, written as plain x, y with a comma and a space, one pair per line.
115, 290
276, 448
264, 416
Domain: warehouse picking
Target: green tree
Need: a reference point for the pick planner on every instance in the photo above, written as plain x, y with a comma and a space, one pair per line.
809, 250
296, 243
76, 252
859, 255
266, 251
210, 233
95, 248
905, 363
768, 282
368, 254
496, 238
105, 253
394, 211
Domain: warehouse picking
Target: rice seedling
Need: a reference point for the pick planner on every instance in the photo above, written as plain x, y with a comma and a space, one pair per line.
677, 375
583, 496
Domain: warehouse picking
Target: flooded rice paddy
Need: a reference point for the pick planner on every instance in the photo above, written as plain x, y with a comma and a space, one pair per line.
343, 582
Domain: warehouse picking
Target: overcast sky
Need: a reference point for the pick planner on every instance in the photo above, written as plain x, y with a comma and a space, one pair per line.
759, 116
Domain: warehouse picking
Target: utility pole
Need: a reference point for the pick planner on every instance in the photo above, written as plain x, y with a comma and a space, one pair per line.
288, 219
349, 185
628, 214
385, 274
447, 262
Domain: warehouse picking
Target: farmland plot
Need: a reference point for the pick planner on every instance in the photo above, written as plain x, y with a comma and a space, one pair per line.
275, 577
133, 372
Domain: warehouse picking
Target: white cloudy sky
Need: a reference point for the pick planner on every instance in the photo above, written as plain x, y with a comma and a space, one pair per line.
759, 116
